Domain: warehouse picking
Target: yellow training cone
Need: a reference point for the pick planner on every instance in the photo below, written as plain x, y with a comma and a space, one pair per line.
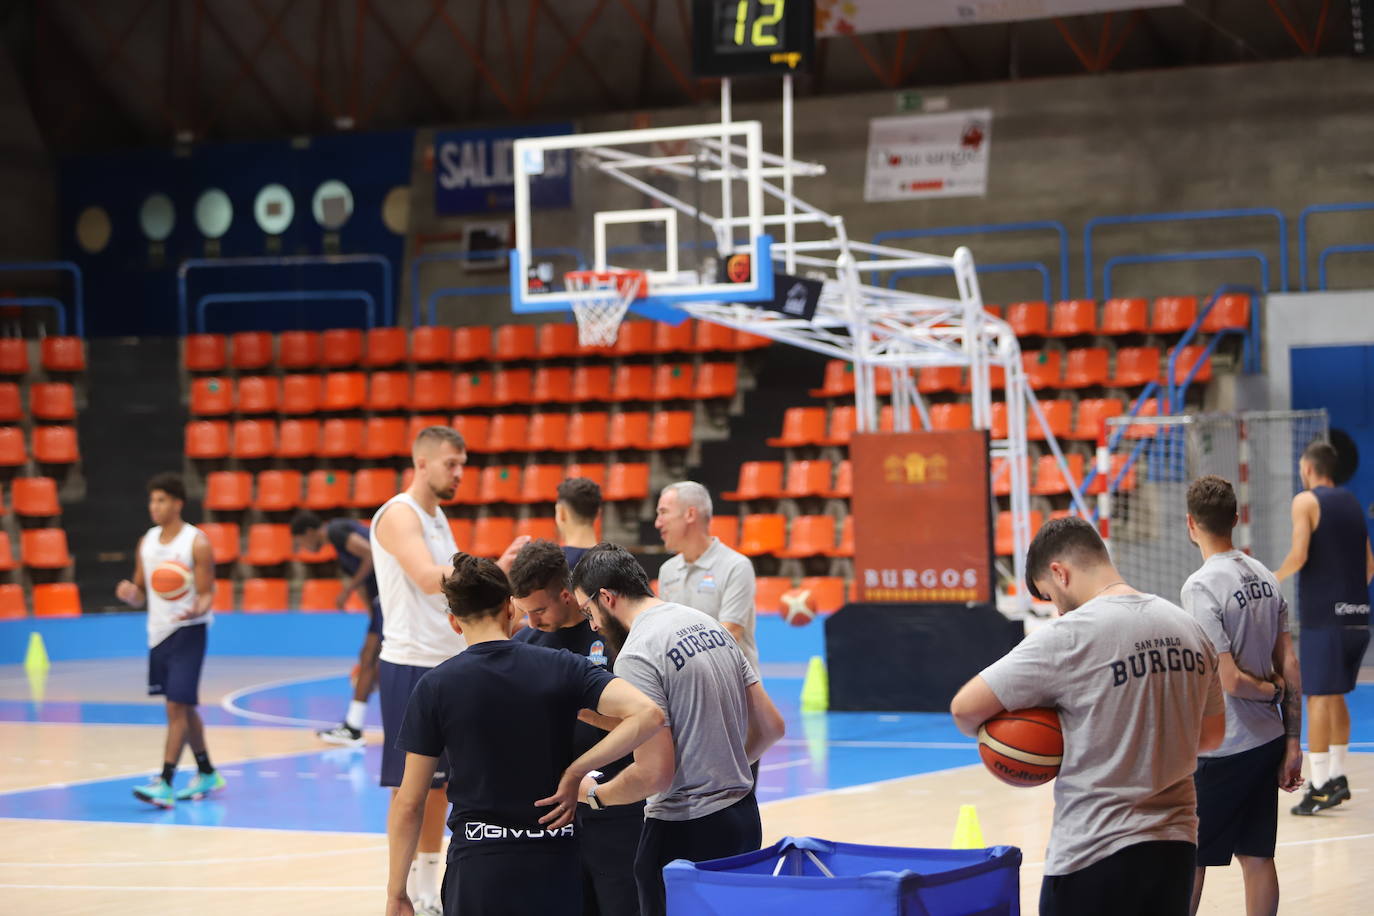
36, 658
38, 684
967, 833
815, 694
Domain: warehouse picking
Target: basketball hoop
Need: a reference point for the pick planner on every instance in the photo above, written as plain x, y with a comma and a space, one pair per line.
599, 317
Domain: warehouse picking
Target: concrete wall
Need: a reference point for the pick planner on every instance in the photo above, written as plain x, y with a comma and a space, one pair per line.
1280, 135
28, 184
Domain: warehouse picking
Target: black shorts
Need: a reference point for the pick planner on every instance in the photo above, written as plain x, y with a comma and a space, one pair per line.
1238, 803
1330, 658
174, 665
374, 618
525, 880
727, 832
395, 684
608, 841
1147, 879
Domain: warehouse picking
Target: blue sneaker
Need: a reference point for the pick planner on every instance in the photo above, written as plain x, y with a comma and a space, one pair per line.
202, 785
156, 792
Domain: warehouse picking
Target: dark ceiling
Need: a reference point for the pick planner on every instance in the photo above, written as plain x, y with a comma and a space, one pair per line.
119, 73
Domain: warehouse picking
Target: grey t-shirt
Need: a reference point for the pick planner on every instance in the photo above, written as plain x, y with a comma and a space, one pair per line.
688, 664
1238, 604
1131, 677
720, 584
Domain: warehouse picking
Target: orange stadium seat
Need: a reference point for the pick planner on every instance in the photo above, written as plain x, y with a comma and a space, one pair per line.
629, 430
1173, 314
512, 386
537, 529
1043, 368
491, 536
432, 389
557, 339
472, 389
255, 439
588, 431
807, 478
298, 438
268, 544
471, 344
44, 548
1049, 477
430, 345
934, 379
264, 596
762, 535
1124, 316
251, 350
747, 341
826, 591
1136, 366
548, 432
12, 606
1059, 416
593, 471
514, 342
844, 482
999, 420
204, 439
224, 596
1074, 317
467, 493
1229, 312
626, 481
810, 536
341, 438
1002, 538
385, 437
388, 391
344, 390
326, 489
11, 404
258, 394
842, 420
372, 487
726, 527
540, 483
509, 433
838, 381
669, 338
499, 483
1092, 414
278, 491
1149, 408
462, 532
14, 356
63, 354
671, 429
635, 338
56, 599
35, 497
211, 396
1187, 357
228, 491
713, 338
474, 429
299, 350
7, 561
1029, 319
420, 422
673, 382
385, 347
768, 592
200, 353
716, 380
591, 383
802, 426
300, 394
52, 401
552, 385
951, 416
341, 347
224, 541
758, 480
887, 418
1085, 368
633, 383
321, 594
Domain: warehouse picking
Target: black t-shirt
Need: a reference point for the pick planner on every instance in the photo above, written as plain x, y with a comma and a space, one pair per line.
573, 554
338, 531
505, 712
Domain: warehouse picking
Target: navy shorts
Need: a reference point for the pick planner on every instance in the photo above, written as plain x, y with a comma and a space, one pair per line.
1330, 658
494, 877
727, 832
374, 619
174, 665
395, 684
1238, 803
1153, 878
609, 840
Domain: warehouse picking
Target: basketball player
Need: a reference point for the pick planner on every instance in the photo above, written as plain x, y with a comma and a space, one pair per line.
505, 713
705, 574
1134, 680
411, 548
1330, 555
575, 513
1237, 603
354, 549
176, 634
696, 776
541, 585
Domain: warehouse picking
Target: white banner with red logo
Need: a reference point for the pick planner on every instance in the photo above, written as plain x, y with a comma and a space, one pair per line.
930, 155
856, 17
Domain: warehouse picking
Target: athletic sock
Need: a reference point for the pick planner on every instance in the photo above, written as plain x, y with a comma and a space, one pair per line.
169, 772
1321, 769
427, 875
412, 881
1338, 752
356, 712
203, 761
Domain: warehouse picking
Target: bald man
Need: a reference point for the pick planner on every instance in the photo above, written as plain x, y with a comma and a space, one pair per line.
412, 551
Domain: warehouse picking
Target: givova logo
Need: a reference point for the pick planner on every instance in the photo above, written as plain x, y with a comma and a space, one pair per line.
476, 830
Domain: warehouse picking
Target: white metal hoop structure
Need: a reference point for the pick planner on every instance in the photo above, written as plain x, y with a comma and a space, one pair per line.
599, 316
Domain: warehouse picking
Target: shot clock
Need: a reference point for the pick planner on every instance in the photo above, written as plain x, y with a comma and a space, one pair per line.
752, 37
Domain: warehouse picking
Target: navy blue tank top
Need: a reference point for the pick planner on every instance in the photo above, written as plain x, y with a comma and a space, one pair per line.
1332, 588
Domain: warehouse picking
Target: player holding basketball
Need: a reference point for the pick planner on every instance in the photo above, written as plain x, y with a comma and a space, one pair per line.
353, 546
696, 776
505, 713
705, 574
1134, 680
1331, 556
178, 616
411, 549
575, 513
1238, 604
541, 584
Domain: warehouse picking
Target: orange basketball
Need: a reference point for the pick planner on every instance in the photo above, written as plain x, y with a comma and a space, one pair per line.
798, 607
171, 580
1022, 747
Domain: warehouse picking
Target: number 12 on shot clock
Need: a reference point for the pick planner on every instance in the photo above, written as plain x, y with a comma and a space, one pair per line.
748, 37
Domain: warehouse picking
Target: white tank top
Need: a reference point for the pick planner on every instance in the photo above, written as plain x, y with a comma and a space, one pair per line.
415, 628
162, 614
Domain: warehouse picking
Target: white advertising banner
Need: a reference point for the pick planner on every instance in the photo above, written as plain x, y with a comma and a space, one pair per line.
913, 157
854, 17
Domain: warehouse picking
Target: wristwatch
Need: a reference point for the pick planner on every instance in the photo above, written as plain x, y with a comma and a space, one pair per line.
592, 801
1278, 694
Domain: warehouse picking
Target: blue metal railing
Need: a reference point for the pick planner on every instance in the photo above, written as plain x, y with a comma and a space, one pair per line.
287, 295
190, 264
1183, 216
1336, 249
1172, 257
1303, 217
467, 256
41, 302
1179, 389
991, 228
1007, 267
78, 294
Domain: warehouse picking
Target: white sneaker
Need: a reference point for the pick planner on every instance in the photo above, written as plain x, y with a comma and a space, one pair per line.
429, 906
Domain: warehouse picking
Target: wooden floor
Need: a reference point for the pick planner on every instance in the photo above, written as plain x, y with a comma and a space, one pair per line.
75, 866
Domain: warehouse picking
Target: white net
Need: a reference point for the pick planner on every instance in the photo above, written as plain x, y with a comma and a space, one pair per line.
1154, 459
599, 317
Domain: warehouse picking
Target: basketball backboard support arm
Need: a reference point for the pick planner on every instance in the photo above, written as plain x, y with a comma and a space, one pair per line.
874, 327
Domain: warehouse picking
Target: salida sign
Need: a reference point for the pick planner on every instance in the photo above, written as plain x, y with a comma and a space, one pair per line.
921, 517
473, 170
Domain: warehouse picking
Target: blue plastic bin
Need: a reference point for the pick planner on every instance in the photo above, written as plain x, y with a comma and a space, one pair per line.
803, 875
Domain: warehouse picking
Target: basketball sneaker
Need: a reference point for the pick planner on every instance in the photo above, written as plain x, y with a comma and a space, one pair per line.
1339, 788
156, 792
202, 785
342, 734
1319, 798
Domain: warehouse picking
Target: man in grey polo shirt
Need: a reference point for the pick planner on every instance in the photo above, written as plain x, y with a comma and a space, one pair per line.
705, 574
700, 791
